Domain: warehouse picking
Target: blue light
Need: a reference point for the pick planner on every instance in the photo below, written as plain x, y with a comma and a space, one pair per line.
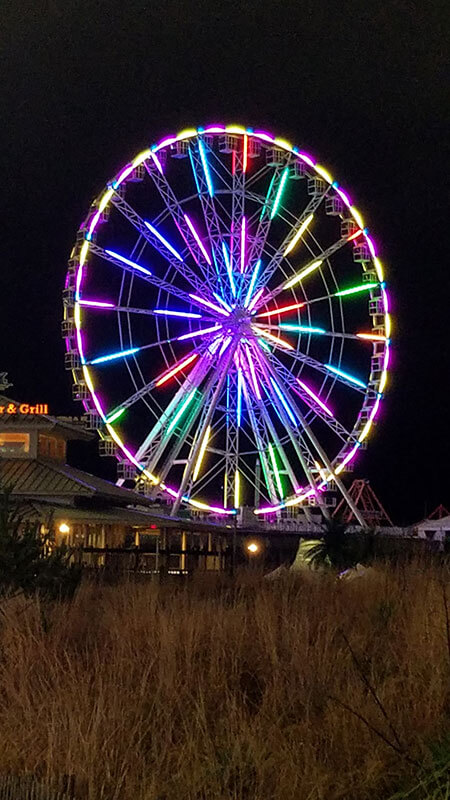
112, 356
163, 240
284, 402
206, 169
128, 262
252, 283
345, 375
226, 258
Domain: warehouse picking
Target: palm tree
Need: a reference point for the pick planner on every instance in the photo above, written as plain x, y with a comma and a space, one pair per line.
337, 548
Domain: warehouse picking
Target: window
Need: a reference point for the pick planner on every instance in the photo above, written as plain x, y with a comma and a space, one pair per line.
14, 444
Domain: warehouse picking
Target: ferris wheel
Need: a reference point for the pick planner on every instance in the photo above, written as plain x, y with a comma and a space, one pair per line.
226, 323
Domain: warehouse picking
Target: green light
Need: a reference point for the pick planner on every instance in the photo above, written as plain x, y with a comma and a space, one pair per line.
116, 415
268, 195
363, 288
277, 200
180, 412
264, 345
301, 328
275, 471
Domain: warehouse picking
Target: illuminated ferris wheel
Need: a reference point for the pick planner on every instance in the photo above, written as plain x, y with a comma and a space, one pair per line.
226, 322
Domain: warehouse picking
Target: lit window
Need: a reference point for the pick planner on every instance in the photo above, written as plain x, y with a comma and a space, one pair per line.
14, 444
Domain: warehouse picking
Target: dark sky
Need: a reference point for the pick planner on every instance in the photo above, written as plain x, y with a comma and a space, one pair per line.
363, 86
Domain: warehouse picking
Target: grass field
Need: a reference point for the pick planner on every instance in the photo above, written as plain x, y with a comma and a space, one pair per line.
307, 688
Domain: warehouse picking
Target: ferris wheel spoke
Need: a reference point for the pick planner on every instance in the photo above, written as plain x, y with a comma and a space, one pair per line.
136, 269
332, 372
182, 221
313, 330
222, 371
156, 239
262, 442
199, 156
308, 268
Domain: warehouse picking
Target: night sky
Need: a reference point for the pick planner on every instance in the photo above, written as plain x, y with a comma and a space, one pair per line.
84, 86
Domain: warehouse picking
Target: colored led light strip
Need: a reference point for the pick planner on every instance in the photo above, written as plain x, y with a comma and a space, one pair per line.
180, 412
95, 304
275, 471
245, 153
275, 339
355, 235
201, 453
203, 332
239, 398
284, 402
226, 258
128, 262
279, 193
208, 304
355, 289
197, 239
301, 328
116, 415
253, 373
243, 226
222, 302
316, 399
201, 148
282, 310
113, 356
372, 337
167, 312
255, 299
303, 274
176, 369
156, 161
163, 241
252, 283
237, 489
345, 375
298, 235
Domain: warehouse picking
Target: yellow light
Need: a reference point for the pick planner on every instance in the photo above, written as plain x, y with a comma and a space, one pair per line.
88, 379
275, 339
77, 316
365, 430
83, 252
382, 382
105, 200
299, 233
237, 487
141, 157
187, 133
64, 528
198, 504
379, 269
387, 325
325, 174
284, 144
253, 547
371, 337
356, 215
235, 129
201, 453
303, 274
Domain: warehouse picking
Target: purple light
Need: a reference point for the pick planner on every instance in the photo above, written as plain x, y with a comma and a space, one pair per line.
197, 239
371, 245
208, 304
215, 129
256, 298
168, 313
263, 135
312, 394
308, 159
203, 332
165, 142
122, 175
344, 196
254, 380
156, 161
96, 304
243, 227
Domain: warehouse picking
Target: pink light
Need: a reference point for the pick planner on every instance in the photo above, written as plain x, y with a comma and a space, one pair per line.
308, 159
171, 491
252, 372
203, 332
255, 299
208, 304
94, 221
197, 239
166, 142
371, 246
344, 196
156, 161
215, 129
96, 304
385, 301
386, 359
281, 310
312, 394
245, 154
243, 227
351, 454
122, 175
263, 135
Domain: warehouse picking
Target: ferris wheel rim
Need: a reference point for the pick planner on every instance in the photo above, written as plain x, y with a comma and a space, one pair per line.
106, 198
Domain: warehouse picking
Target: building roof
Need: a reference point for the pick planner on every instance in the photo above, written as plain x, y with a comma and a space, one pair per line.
69, 427
39, 478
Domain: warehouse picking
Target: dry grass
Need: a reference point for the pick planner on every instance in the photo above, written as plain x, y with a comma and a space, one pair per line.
221, 692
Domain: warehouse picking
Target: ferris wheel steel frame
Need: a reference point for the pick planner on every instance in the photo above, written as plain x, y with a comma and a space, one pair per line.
225, 251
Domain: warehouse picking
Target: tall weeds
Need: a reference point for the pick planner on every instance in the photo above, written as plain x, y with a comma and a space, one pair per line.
230, 692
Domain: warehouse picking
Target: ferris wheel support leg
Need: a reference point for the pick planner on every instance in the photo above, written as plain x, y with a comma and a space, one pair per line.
195, 450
